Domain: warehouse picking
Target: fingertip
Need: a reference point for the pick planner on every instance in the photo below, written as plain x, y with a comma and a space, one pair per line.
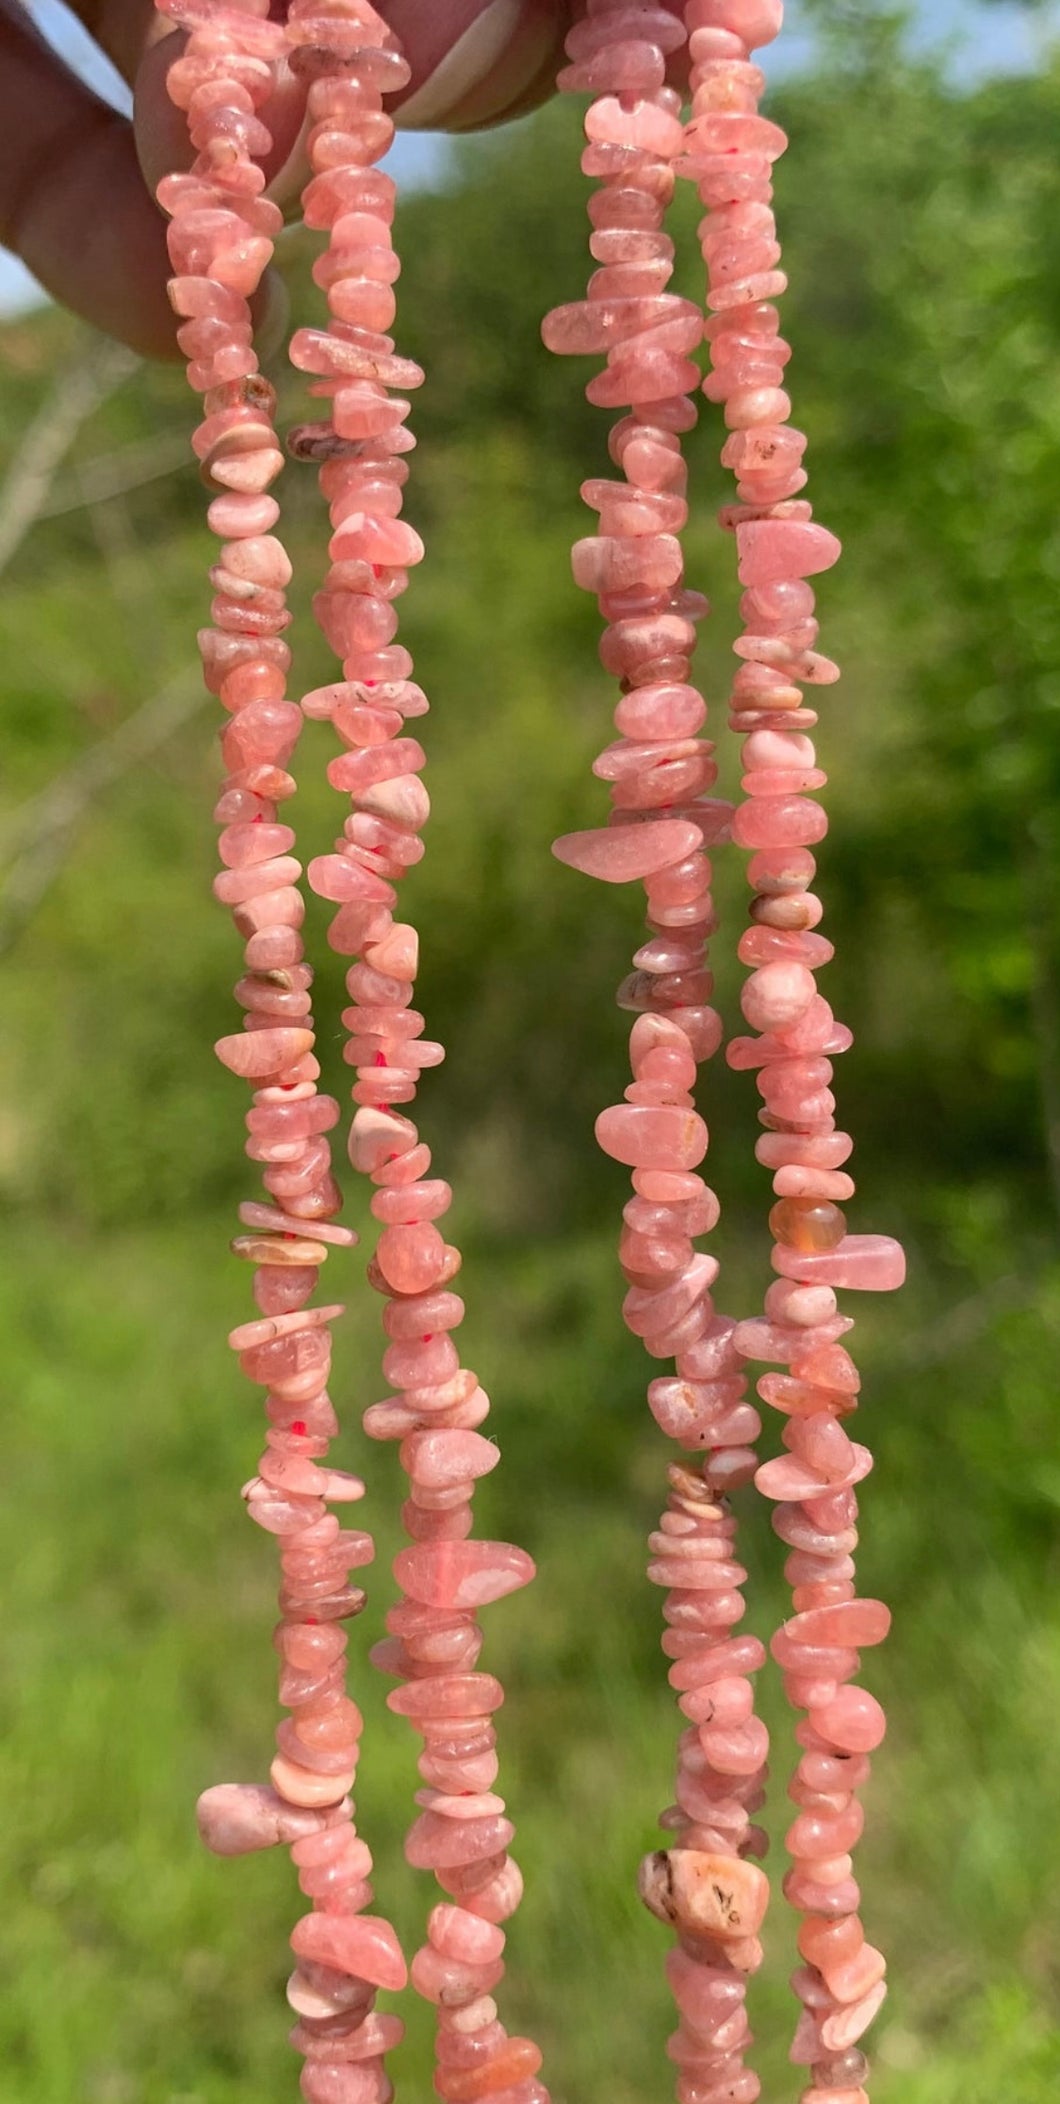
159, 128
97, 241
162, 129
73, 204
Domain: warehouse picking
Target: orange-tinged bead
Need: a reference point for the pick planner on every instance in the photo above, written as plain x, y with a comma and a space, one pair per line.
807, 1226
516, 2061
828, 1943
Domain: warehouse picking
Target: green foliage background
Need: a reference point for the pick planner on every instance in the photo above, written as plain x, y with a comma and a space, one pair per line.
920, 228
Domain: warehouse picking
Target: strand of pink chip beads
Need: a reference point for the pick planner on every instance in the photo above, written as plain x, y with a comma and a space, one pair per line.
728, 150
220, 239
731, 149
661, 821
462, 1833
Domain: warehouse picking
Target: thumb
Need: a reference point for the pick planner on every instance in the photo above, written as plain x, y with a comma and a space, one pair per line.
73, 204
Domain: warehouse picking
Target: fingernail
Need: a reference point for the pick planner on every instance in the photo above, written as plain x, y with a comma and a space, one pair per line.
464, 66
272, 313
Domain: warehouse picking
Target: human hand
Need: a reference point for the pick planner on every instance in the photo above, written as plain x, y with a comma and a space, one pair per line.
77, 179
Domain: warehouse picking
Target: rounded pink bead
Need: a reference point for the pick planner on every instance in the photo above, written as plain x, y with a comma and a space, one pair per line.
854, 1721
647, 1138
774, 749
421, 1315
410, 1258
661, 712
754, 22
777, 994
344, 2082
815, 1834
443, 1459
499, 1898
466, 1937
779, 821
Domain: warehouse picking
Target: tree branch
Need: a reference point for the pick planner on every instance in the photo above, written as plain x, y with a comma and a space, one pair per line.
77, 393
115, 474
35, 836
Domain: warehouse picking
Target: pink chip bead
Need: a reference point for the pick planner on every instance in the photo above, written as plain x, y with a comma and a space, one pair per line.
466, 1937
811, 1897
755, 22
789, 1480
779, 821
683, 1411
844, 2095
411, 1258
257, 1053
242, 513
436, 1843
858, 1622
636, 19
853, 1979
440, 1460
645, 126
345, 2082
777, 994
862, 1263
774, 549
648, 1138
378, 1137
619, 853
661, 711
446, 1696
419, 1315
464, 1574
853, 1721
500, 1898
605, 563
849, 2023
236, 1818
363, 1945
